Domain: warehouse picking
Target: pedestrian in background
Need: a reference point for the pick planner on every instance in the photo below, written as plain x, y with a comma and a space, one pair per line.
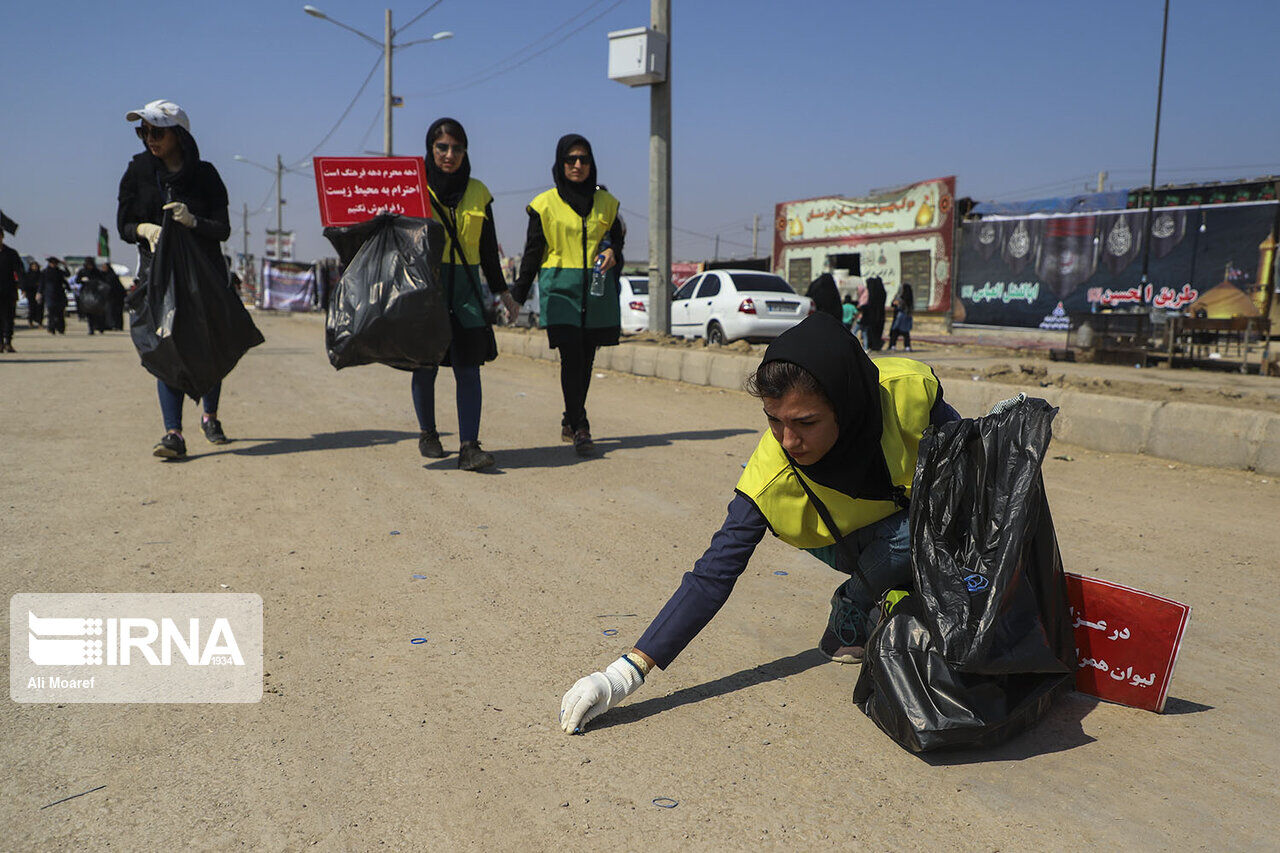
903, 306
11, 278
91, 304
825, 295
170, 176
848, 311
464, 206
114, 318
871, 317
31, 290
53, 292
574, 247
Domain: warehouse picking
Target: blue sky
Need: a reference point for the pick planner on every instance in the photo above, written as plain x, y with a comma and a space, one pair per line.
772, 101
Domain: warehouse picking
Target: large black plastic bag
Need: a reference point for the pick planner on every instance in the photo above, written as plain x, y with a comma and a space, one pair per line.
979, 649
188, 325
388, 307
92, 298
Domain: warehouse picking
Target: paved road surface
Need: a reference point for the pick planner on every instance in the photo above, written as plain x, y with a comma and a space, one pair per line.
365, 740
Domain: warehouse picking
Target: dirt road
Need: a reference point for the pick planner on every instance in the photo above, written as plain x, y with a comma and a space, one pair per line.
363, 740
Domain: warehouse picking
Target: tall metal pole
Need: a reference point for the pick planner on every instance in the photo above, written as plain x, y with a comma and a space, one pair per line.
244, 263
386, 94
755, 235
660, 182
279, 208
1155, 148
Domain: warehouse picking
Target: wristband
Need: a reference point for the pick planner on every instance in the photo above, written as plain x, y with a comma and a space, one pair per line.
638, 662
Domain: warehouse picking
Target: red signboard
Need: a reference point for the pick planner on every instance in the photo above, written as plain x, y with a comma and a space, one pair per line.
1126, 641
355, 189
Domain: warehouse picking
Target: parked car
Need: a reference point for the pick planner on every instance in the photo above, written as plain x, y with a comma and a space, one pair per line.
730, 305
633, 302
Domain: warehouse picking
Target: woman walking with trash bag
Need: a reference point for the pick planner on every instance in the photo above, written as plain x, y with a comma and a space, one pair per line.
464, 207
831, 476
169, 177
574, 247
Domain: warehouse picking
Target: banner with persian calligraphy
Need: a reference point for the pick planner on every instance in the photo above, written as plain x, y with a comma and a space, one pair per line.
1127, 641
355, 189
1034, 271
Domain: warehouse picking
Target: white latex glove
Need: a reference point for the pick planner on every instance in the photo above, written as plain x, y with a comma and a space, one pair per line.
150, 233
181, 215
1005, 405
591, 696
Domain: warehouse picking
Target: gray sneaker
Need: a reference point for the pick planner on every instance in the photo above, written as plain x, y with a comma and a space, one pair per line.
844, 640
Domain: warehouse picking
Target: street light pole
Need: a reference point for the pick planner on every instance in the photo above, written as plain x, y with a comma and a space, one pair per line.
386, 94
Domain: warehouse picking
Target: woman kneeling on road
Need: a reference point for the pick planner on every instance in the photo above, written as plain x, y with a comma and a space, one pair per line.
464, 206
832, 476
170, 176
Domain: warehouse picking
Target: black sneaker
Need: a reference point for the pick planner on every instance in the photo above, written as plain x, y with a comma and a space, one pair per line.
171, 446
472, 458
429, 444
213, 431
582, 442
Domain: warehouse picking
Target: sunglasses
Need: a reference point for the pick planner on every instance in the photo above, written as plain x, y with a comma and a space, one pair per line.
574, 159
147, 130
445, 148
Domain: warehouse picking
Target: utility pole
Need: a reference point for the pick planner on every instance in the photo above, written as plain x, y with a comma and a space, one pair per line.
386, 93
1155, 148
245, 220
716, 255
279, 208
1102, 181
755, 235
660, 181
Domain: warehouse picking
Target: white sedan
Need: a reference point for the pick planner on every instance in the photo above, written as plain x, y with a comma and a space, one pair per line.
730, 305
633, 303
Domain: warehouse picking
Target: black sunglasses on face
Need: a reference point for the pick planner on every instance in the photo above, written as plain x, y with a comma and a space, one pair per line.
445, 148
573, 159
147, 130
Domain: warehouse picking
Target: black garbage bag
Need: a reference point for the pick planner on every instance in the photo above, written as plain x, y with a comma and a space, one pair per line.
977, 652
189, 327
93, 297
388, 307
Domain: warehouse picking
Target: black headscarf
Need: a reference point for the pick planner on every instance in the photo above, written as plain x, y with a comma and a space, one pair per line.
447, 187
190, 162
855, 464
579, 196
826, 295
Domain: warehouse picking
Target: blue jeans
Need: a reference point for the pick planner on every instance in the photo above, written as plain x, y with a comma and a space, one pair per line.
884, 555
171, 404
468, 398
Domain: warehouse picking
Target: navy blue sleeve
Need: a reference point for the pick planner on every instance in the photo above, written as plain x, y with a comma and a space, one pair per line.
705, 589
942, 413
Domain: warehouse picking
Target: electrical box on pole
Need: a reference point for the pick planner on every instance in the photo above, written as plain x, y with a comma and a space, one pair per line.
638, 56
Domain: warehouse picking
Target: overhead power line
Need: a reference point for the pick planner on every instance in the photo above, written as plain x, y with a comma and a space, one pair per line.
506, 66
344, 115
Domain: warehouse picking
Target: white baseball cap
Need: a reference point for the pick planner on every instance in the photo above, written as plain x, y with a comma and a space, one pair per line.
161, 114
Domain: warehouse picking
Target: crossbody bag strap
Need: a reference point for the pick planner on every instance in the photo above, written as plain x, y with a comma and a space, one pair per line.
841, 542
456, 252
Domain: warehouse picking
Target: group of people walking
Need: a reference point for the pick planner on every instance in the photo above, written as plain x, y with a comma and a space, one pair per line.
99, 293
864, 313
573, 247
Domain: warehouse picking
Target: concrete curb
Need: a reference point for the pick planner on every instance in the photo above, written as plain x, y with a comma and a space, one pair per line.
1197, 434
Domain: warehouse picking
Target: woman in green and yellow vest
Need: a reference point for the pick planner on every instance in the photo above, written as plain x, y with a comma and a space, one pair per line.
831, 476
572, 227
464, 206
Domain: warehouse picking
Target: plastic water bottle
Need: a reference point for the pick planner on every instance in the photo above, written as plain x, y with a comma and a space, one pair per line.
597, 276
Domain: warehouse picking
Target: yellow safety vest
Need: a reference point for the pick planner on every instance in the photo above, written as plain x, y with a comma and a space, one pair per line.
468, 218
572, 244
908, 390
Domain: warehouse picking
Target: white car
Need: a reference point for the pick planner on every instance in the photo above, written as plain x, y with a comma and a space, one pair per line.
731, 305
633, 302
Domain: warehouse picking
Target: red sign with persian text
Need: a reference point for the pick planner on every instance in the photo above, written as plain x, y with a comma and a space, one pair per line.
1127, 641
356, 189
